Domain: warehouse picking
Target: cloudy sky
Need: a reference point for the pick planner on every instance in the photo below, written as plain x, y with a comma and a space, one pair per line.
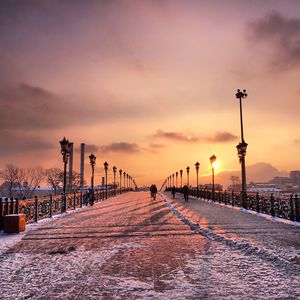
150, 85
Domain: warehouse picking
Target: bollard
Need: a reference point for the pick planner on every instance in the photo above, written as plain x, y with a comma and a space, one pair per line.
257, 203
297, 208
292, 212
74, 200
51, 206
272, 206
36, 213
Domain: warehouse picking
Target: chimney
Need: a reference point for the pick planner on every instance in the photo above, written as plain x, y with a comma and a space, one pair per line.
82, 165
71, 168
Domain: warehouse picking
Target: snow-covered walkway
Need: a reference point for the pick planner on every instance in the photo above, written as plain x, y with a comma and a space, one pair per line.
132, 247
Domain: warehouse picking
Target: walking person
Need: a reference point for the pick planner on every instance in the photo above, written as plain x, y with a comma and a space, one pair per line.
173, 191
186, 190
154, 191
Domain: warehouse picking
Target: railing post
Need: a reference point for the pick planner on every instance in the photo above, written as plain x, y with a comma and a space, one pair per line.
292, 212
51, 206
232, 198
81, 199
257, 202
6, 207
74, 200
17, 206
86, 198
62, 202
36, 207
272, 205
225, 197
11, 206
1, 213
297, 208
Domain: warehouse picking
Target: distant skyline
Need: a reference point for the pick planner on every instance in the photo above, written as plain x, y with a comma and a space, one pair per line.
149, 86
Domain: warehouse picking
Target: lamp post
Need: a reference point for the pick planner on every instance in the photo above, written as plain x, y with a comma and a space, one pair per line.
176, 180
115, 171
242, 148
92, 158
197, 171
181, 172
188, 175
173, 179
127, 180
65, 149
124, 180
213, 159
106, 168
120, 173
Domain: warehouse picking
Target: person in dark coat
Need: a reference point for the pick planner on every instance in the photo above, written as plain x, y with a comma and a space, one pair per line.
185, 191
173, 191
154, 191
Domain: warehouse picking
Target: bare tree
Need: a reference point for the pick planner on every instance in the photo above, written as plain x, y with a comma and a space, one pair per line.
30, 179
10, 176
54, 177
235, 180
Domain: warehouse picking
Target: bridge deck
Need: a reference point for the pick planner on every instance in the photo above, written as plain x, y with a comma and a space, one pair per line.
132, 247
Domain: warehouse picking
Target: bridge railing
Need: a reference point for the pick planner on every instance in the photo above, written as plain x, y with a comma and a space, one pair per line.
286, 207
40, 208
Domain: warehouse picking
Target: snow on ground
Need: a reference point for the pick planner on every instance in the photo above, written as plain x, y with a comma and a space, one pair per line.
132, 247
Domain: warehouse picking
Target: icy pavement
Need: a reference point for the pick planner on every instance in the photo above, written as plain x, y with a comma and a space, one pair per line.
132, 247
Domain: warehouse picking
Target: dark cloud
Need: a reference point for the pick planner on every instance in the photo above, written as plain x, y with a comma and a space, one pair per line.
222, 137
176, 136
14, 143
157, 146
283, 34
121, 147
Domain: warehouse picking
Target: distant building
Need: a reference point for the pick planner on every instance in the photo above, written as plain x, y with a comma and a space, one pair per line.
263, 188
218, 187
282, 182
295, 178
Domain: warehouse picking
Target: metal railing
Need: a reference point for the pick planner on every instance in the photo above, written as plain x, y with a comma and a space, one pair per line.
286, 207
40, 208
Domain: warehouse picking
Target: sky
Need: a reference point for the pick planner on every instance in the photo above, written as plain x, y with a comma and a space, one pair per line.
149, 86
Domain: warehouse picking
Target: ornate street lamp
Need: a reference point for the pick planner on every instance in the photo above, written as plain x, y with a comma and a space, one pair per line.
105, 169
124, 180
176, 180
173, 179
120, 173
92, 158
242, 148
213, 159
197, 171
115, 171
181, 172
65, 150
188, 175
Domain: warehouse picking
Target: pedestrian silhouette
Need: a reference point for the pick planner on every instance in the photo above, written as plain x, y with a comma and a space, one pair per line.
173, 191
186, 191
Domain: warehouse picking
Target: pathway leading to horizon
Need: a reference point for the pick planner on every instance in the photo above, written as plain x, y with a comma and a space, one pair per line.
132, 247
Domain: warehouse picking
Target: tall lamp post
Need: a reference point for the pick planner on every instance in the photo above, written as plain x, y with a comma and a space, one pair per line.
197, 171
213, 159
242, 148
188, 175
120, 173
105, 169
173, 179
176, 180
65, 150
115, 171
124, 180
92, 158
181, 172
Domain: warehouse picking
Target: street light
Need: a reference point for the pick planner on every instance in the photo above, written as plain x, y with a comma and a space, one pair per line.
120, 173
92, 158
124, 180
65, 150
181, 172
106, 168
242, 148
176, 180
213, 159
197, 171
173, 179
188, 175
115, 171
